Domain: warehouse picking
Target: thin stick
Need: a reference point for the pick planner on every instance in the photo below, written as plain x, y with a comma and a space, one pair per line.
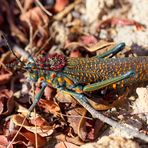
28, 22
20, 6
9, 145
42, 7
67, 9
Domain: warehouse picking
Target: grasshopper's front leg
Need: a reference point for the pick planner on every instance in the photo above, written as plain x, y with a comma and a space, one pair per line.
37, 97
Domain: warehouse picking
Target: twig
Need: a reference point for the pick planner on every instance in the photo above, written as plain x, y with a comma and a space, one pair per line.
61, 14
10, 144
29, 24
14, 29
42, 7
20, 6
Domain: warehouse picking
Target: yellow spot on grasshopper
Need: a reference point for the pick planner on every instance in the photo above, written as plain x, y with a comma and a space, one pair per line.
78, 90
60, 80
68, 81
114, 86
48, 81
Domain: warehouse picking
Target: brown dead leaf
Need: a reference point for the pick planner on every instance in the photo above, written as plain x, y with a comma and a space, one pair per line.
36, 17
67, 9
1, 106
60, 5
88, 40
65, 97
44, 130
89, 130
31, 137
39, 121
5, 74
75, 116
65, 138
122, 22
50, 106
6, 99
66, 145
48, 92
26, 138
27, 4
100, 46
4, 142
15, 31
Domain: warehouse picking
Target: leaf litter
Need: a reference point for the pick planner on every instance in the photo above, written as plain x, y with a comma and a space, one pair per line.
75, 29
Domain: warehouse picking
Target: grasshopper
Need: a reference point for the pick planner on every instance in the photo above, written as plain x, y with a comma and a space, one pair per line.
76, 76
81, 75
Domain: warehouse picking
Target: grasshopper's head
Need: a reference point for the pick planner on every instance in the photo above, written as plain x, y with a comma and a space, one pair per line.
37, 68
44, 64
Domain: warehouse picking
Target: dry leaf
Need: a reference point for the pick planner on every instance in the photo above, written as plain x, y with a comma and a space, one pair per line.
36, 16
6, 99
60, 5
66, 145
4, 142
65, 97
31, 137
88, 40
50, 106
5, 75
49, 92
44, 130
122, 22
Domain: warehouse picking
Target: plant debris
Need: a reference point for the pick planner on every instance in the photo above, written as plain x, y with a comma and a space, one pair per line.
74, 29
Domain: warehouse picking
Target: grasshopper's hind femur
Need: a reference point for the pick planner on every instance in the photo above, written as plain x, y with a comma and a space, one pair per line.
53, 62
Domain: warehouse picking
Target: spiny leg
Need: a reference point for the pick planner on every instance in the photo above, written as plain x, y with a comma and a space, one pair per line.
102, 84
112, 51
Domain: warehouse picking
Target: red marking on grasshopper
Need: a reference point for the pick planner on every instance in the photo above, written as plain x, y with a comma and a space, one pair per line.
53, 62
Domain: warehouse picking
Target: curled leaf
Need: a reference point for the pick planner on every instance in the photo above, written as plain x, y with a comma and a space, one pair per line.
6, 99
60, 5
50, 106
4, 142
122, 22
36, 16
5, 74
44, 130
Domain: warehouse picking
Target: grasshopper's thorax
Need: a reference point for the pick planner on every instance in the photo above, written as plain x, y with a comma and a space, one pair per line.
46, 67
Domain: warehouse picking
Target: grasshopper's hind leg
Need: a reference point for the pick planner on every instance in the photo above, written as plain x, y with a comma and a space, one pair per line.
112, 51
105, 83
102, 84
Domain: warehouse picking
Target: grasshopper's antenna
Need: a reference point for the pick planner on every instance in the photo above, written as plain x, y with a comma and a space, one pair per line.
4, 42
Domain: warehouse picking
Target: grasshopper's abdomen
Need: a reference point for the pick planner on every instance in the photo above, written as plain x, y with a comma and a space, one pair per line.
90, 70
